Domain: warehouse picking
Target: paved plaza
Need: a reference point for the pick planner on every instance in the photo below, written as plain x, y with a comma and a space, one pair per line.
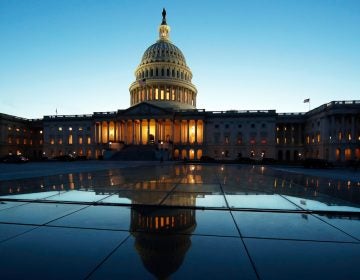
146, 220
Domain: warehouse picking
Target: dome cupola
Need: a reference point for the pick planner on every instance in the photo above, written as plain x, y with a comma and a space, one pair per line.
163, 77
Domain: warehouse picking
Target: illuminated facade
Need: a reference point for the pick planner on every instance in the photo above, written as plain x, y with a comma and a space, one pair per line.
162, 122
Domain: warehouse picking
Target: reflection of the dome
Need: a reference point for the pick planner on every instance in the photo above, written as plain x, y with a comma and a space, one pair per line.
162, 237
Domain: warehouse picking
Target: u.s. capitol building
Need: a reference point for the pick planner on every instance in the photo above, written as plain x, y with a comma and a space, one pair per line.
163, 122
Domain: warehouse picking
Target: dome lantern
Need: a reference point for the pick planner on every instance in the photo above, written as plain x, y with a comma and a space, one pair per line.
164, 29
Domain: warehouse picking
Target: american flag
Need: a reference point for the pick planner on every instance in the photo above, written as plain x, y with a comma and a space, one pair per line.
307, 100
142, 82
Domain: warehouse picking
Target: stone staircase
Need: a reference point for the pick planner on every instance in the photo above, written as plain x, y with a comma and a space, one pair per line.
140, 152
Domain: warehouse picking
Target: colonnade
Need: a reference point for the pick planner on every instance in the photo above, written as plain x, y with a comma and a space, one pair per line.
147, 131
172, 93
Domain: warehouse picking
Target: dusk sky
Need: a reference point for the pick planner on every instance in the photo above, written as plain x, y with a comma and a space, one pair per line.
80, 56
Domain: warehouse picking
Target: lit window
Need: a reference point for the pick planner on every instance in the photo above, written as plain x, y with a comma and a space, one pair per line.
80, 140
80, 128
89, 140
349, 136
25, 141
52, 142
17, 141
340, 136
277, 140
277, 129
60, 141
318, 138
9, 128
307, 139
9, 140
70, 139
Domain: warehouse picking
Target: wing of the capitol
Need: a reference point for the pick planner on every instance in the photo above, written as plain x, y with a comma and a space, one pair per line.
163, 122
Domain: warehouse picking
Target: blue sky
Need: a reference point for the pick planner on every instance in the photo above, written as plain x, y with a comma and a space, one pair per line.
80, 56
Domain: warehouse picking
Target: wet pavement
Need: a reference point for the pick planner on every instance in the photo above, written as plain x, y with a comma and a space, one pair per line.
180, 221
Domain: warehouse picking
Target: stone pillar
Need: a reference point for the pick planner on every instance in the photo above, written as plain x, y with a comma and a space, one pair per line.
141, 132
156, 136
172, 138
108, 130
163, 130
100, 127
126, 132
196, 124
133, 132
188, 132
180, 131
148, 130
353, 131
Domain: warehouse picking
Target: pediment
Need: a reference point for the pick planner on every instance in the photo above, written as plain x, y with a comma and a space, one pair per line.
145, 109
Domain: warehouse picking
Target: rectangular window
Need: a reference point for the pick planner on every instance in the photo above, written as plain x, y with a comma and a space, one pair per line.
89, 140
70, 139
80, 140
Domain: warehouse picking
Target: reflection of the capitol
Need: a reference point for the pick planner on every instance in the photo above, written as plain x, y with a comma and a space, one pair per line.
234, 179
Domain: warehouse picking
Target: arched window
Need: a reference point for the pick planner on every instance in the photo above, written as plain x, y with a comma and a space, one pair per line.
157, 72
199, 154
176, 153
151, 72
191, 154
162, 72
183, 154
168, 72
173, 73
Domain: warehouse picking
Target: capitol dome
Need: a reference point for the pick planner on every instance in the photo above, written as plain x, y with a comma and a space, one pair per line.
163, 77
163, 51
